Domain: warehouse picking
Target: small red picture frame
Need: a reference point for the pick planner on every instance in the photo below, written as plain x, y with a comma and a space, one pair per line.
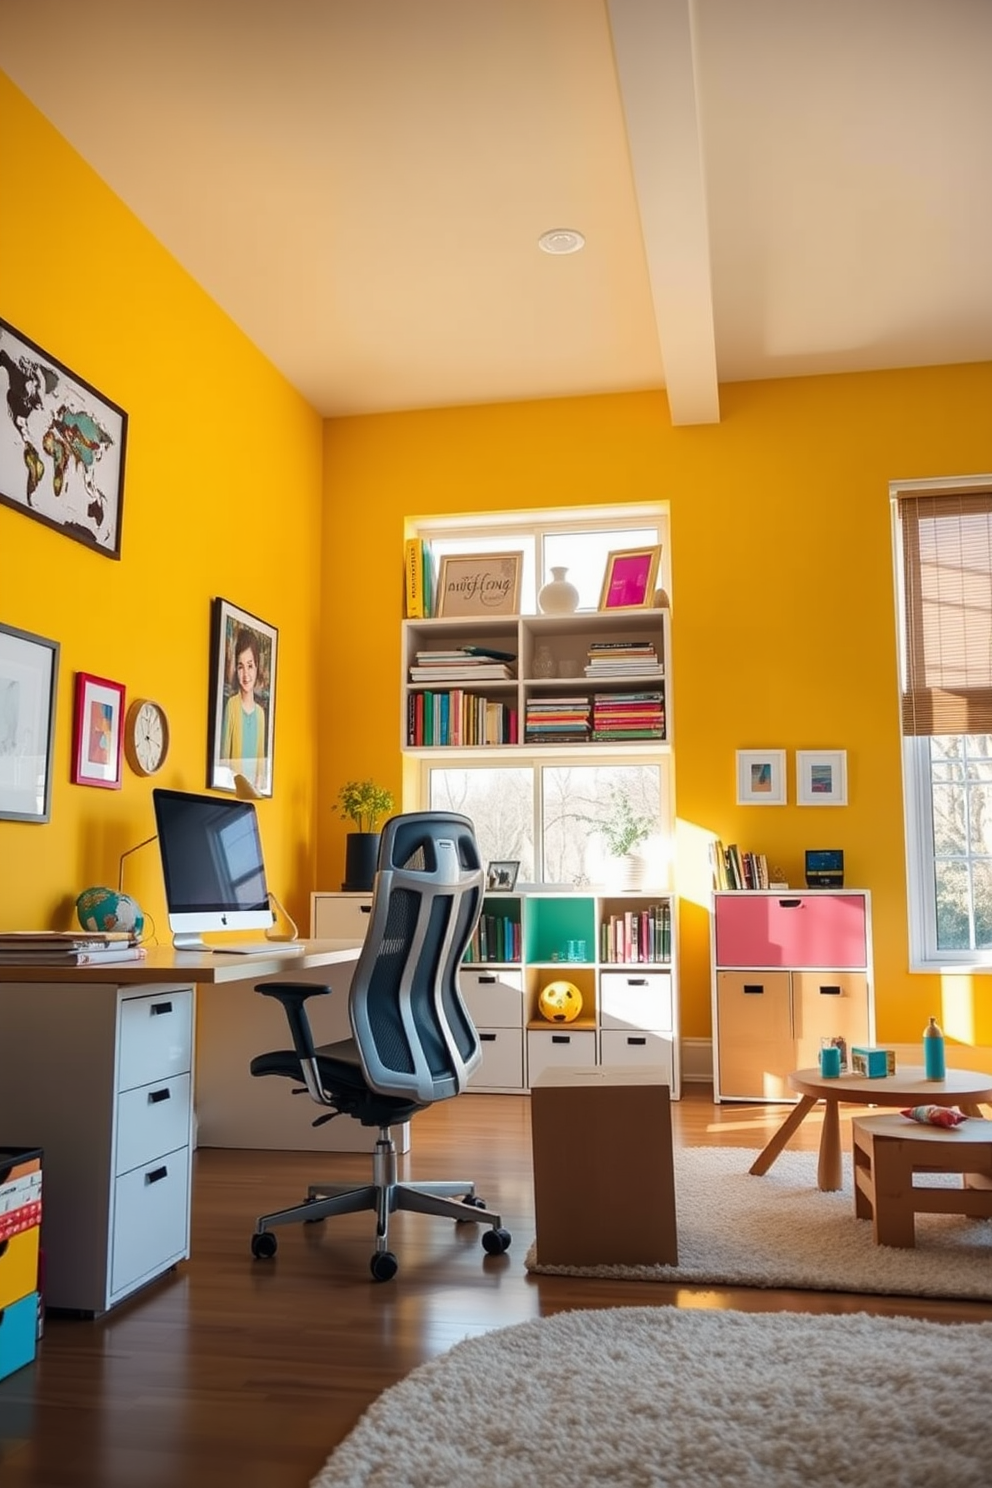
97, 732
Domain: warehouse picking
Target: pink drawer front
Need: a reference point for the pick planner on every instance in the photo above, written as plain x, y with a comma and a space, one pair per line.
791, 930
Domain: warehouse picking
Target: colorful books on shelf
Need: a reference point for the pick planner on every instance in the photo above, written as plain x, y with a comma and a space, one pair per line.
638, 935
557, 720
734, 869
66, 948
628, 715
458, 719
496, 938
463, 664
623, 659
419, 571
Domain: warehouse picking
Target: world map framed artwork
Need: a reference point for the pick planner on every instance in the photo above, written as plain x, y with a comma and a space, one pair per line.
62, 446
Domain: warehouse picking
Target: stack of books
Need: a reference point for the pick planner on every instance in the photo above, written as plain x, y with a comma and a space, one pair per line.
459, 719
623, 659
66, 948
557, 720
628, 715
638, 935
463, 664
734, 869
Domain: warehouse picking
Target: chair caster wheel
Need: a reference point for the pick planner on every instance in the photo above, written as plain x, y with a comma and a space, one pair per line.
471, 1201
495, 1242
383, 1265
264, 1246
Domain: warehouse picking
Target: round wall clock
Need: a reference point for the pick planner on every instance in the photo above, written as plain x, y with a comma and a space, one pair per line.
146, 736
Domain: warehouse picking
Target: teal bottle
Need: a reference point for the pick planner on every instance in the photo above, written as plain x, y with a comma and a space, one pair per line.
933, 1051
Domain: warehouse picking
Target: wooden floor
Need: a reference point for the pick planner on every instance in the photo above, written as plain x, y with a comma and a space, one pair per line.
237, 1372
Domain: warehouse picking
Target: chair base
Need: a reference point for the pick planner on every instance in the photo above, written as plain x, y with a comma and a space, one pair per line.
450, 1199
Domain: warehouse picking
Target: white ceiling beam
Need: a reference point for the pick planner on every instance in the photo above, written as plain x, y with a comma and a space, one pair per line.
653, 46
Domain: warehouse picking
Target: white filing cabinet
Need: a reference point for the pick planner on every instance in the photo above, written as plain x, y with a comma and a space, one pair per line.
100, 1076
339, 916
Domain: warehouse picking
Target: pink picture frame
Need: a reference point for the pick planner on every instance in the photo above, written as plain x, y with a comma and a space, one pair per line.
629, 580
98, 732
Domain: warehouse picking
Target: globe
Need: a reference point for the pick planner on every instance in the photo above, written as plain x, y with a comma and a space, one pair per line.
104, 910
560, 1002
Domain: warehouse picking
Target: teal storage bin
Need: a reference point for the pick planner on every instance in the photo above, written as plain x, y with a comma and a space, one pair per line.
18, 1334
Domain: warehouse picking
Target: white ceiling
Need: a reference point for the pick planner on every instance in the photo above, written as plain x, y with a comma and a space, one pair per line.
768, 188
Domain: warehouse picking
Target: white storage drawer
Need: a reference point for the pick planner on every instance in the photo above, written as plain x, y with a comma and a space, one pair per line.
502, 1064
340, 916
630, 1049
494, 998
151, 1220
152, 1119
156, 1037
635, 999
552, 1049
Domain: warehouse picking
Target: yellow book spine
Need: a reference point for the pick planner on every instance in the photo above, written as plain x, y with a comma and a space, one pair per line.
414, 563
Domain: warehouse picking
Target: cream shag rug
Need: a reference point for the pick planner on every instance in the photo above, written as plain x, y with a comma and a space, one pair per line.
650, 1397
781, 1231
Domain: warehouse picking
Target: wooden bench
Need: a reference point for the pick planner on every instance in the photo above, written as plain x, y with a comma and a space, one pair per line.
888, 1150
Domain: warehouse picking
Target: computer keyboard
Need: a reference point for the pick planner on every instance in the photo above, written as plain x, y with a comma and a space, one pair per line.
259, 948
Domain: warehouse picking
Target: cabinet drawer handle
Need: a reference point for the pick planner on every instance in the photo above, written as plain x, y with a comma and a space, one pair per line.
753, 989
637, 1041
637, 981
159, 1095
156, 1174
365, 909
486, 981
561, 1038
160, 1007
830, 991
789, 903
487, 1038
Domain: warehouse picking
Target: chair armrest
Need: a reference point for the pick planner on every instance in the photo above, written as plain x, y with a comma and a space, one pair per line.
293, 995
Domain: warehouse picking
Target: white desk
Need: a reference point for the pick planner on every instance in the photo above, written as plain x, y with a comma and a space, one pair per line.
104, 1067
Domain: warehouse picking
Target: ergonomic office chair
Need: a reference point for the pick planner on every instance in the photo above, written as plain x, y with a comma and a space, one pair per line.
413, 1041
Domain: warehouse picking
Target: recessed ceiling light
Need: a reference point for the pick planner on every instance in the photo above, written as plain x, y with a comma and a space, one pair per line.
561, 240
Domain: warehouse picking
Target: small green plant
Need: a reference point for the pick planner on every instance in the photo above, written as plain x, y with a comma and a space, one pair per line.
363, 802
623, 829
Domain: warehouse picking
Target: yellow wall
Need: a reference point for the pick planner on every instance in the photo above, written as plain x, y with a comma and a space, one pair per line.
782, 604
223, 476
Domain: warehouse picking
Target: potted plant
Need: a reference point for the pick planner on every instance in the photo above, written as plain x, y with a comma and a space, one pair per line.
364, 803
623, 831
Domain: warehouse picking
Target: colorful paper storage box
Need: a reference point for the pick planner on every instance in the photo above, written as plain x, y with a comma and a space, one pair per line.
875, 1063
20, 1222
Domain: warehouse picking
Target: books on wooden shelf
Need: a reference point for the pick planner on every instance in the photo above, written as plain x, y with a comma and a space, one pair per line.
418, 562
463, 664
734, 869
458, 719
637, 936
623, 659
628, 715
557, 720
496, 938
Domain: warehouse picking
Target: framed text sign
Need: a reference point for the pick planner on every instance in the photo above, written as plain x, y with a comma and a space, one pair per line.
479, 584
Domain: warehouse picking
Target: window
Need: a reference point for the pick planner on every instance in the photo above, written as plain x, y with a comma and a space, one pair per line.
944, 577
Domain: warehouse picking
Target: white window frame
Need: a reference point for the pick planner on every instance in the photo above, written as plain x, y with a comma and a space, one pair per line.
921, 897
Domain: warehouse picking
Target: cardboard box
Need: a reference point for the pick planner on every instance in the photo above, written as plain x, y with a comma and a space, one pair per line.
875, 1063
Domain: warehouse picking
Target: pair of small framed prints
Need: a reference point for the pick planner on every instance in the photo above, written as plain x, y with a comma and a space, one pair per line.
821, 777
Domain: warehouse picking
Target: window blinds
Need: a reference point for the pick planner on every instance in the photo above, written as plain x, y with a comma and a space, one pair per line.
947, 612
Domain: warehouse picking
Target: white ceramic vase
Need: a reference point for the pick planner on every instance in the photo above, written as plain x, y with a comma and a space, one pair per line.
558, 597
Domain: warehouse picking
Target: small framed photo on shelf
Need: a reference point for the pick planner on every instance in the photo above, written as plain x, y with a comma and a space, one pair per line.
501, 877
821, 777
761, 777
479, 584
629, 580
97, 735
242, 700
29, 667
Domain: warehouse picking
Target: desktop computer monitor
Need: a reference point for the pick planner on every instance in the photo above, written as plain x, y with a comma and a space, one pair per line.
212, 865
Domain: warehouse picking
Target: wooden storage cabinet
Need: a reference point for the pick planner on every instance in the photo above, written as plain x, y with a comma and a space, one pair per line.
340, 916
788, 969
629, 1013
107, 1087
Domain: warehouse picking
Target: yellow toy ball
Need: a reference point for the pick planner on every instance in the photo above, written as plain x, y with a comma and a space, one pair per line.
560, 1002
